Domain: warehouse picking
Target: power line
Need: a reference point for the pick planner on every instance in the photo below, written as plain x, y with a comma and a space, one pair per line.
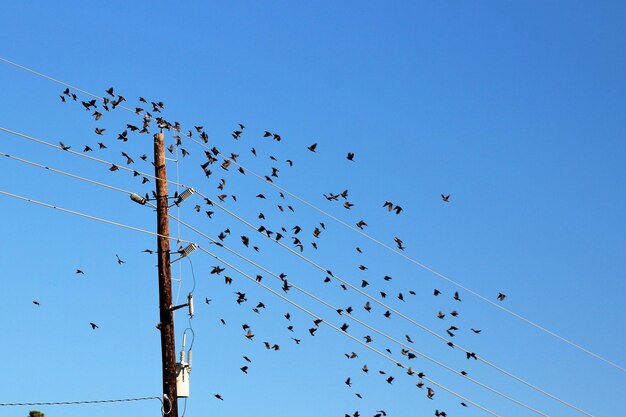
374, 299
82, 155
321, 301
319, 267
378, 242
80, 402
253, 280
64, 173
316, 317
180, 222
77, 213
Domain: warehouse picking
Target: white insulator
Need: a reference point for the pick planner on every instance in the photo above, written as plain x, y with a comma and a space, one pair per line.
138, 199
184, 195
190, 303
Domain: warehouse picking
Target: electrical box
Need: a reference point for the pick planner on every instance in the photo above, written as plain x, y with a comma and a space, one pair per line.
182, 379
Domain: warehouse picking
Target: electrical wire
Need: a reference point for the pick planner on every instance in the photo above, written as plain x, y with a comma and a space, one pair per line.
378, 242
77, 213
253, 280
391, 309
179, 222
80, 402
64, 173
316, 317
321, 268
343, 313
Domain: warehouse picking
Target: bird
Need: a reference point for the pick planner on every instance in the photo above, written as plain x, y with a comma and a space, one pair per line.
350, 156
64, 147
348, 382
249, 335
218, 396
119, 261
36, 303
431, 393
390, 379
440, 315
102, 145
471, 355
312, 147
244, 369
365, 368
436, 292
456, 296
78, 271
361, 224
94, 326
477, 331
129, 160
99, 131
87, 149
207, 300
445, 198
501, 296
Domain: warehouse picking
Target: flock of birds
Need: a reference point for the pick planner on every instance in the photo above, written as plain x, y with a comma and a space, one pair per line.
214, 159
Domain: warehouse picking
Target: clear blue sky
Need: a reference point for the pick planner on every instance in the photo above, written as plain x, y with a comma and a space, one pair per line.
517, 109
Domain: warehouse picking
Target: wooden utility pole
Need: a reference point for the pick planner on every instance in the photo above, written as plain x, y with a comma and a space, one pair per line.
168, 348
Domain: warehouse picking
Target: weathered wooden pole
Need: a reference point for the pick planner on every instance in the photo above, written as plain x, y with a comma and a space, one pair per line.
168, 349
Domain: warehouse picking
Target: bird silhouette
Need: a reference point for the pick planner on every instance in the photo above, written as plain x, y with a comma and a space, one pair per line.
94, 326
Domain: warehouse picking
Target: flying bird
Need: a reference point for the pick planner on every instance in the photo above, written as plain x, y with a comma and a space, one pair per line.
312, 147
445, 198
94, 326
